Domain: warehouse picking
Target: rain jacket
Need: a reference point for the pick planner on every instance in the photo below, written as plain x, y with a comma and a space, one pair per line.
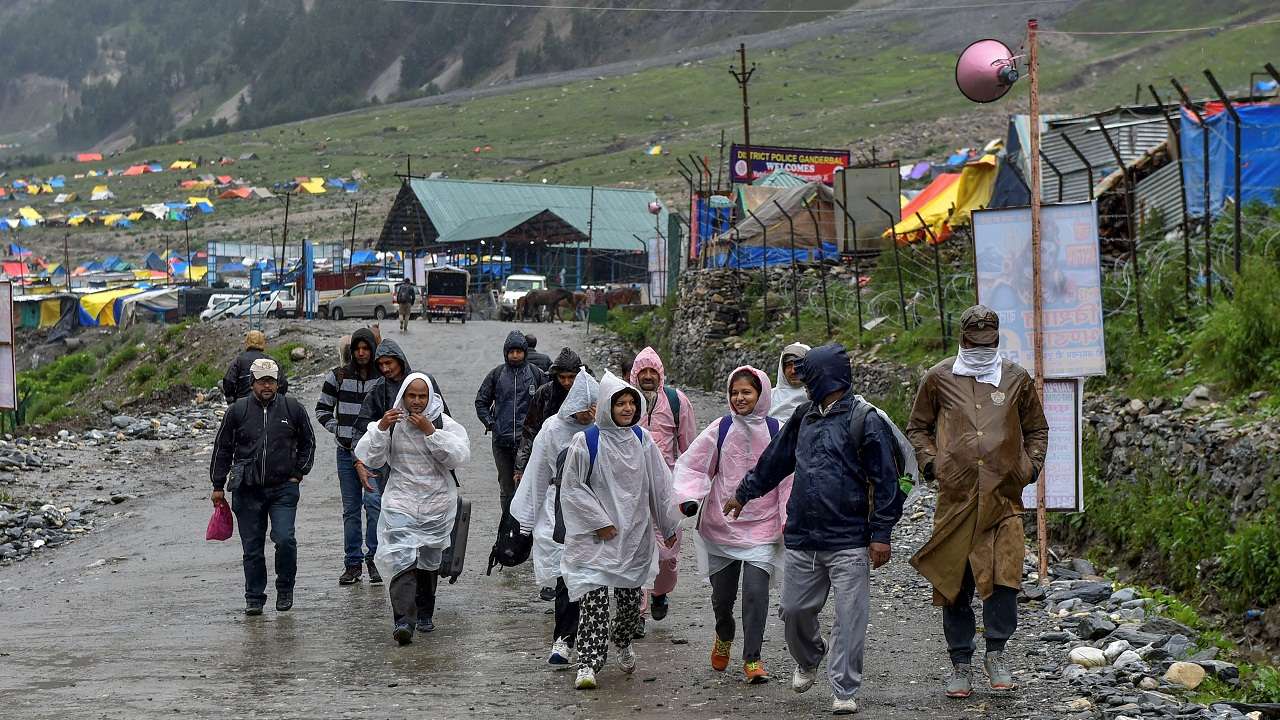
701, 478
986, 444
629, 488
238, 382
503, 398
534, 504
786, 398
659, 419
546, 401
342, 394
844, 491
419, 502
382, 395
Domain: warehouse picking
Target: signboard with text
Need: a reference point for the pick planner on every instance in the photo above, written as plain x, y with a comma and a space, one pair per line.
1063, 470
1071, 281
8, 366
813, 165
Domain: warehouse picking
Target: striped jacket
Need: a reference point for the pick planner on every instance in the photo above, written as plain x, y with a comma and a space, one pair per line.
340, 401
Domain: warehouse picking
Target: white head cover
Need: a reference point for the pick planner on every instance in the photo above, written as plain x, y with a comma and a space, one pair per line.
611, 385
581, 396
435, 406
983, 364
785, 398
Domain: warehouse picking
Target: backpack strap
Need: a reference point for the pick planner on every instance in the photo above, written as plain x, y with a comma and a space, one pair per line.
673, 399
774, 426
722, 432
592, 435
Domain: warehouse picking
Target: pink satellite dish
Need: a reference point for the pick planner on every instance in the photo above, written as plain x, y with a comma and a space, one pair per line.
986, 70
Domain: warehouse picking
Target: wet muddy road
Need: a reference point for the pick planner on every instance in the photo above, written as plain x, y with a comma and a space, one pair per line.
157, 629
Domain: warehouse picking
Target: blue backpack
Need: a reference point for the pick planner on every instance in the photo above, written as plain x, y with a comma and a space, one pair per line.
726, 422
592, 435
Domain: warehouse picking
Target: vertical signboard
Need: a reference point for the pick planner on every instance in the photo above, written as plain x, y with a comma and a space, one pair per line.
1063, 470
8, 367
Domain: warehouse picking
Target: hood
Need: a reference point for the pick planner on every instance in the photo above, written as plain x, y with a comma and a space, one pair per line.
566, 361
515, 341
364, 335
611, 385
825, 370
766, 390
581, 396
799, 350
648, 359
391, 348
435, 406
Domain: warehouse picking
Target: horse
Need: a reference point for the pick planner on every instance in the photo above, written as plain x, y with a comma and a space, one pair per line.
622, 296
536, 300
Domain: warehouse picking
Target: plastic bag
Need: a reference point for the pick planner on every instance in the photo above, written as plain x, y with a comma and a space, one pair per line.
220, 524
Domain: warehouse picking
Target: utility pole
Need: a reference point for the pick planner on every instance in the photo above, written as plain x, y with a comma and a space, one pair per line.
743, 76
66, 259
284, 237
187, 233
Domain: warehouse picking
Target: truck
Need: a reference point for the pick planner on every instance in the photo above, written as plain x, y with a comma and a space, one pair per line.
329, 285
516, 287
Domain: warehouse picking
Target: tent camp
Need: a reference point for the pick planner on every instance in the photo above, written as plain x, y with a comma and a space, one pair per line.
135, 170
315, 187
745, 244
150, 304
88, 157
949, 201
101, 192
182, 165
102, 309
236, 194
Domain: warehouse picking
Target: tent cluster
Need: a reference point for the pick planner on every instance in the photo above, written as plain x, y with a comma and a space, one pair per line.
25, 269
114, 307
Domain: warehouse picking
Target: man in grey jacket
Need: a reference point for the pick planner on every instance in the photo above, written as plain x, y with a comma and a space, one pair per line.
501, 404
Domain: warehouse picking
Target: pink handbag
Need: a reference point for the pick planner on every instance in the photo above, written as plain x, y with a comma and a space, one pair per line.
220, 524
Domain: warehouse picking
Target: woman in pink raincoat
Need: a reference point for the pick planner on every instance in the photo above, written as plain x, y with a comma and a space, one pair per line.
749, 547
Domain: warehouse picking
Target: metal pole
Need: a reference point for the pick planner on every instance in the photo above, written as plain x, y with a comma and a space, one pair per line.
795, 280
937, 279
720, 161
284, 238
764, 263
897, 261
354, 212
1083, 160
1133, 231
822, 267
1033, 65
1056, 172
1207, 215
1235, 136
66, 259
1175, 146
187, 233
857, 270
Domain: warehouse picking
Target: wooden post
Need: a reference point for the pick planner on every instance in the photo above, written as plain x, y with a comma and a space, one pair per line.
1037, 290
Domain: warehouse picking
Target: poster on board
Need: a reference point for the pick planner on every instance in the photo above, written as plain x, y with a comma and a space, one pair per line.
1063, 470
1071, 279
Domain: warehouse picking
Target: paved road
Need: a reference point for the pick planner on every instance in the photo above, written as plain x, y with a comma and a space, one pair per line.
161, 633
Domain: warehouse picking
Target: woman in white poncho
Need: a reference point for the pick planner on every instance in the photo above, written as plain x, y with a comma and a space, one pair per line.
421, 445
534, 506
611, 504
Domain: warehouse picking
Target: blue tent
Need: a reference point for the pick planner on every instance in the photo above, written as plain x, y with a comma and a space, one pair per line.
752, 257
204, 208
334, 182
155, 167
177, 215
364, 257
17, 250
351, 187
58, 182
232, 267
1259, 153
153, 262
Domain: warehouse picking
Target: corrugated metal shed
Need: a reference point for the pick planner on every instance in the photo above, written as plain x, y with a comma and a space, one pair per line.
1135, 131
1161, 191
429, 211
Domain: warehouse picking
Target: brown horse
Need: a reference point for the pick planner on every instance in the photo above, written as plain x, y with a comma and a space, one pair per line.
536, 300
622, 296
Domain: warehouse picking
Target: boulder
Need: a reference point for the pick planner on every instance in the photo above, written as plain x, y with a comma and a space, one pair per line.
1128, 657
1092, 627
1114, 649
1177, 646
1136, 637
298, 353
1198, 398
1188, 675
1086, 656
1219, 669
1164, 626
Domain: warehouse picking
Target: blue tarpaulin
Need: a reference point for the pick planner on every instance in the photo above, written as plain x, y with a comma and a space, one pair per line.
751, 257
364, 257
153, 262
18, 251
1260, 157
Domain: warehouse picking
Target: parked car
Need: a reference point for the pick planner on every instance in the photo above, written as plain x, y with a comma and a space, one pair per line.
375, 299
275, 303
216, 309
516, 287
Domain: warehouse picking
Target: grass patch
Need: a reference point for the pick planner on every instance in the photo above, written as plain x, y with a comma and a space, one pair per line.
49, 389
120, 358
142, 374
282, 355
204, 376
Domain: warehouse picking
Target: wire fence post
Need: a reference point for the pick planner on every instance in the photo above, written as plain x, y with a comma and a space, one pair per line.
1131, 227
897, 261
937, 279
1206, 216
1235, 136
1056, 172
857, 271
795, 279
764, 266
1175, 144
822, 267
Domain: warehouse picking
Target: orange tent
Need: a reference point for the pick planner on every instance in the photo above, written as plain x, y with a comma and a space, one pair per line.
89, 157
136, 170
236, 194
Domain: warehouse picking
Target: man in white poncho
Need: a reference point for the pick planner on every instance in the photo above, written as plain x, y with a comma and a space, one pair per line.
615, 489
788, 389
421, 446
534, 506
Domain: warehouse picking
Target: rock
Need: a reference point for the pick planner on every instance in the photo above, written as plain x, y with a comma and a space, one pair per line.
110, 407
1198, 398
1080, 705
122, 421
1136, 637
1165, 626
1128, 657
1114, 649
1136, 407
1177, 646
1073, 671
1088, 591
298, 353
1148, 683
1082, 566
1219, 669
1188, 675
1088, 657
1092, 627
1057, 637
1123, 595
1208, 653
1158, 698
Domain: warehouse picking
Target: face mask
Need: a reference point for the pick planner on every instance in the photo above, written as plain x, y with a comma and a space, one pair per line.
979, 356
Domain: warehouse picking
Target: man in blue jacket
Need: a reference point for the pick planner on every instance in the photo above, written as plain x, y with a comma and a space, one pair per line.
844, 503
501, 404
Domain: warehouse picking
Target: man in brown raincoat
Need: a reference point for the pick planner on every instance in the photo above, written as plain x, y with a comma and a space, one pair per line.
978, 428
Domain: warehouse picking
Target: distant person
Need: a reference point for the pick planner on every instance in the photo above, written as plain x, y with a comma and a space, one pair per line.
535, 358
406, 296
337, 410
263, 450
501, 403
669, 416
788, 390
844, 503
238, 381
979, 429
421, 446
615, 496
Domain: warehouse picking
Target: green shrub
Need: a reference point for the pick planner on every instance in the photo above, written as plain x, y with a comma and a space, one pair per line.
172, 370
143, 373
204, 376
1239, 341
48, 389
161, 353
280, 354
120, 358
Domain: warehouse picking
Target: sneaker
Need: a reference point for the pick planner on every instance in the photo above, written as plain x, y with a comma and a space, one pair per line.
403, 634
658, 607
284, 600
641, 630
997, 671
560, 654
374, 577
252, 609
802, 680
720, 654
547, 594
586, 679
960, 684
426, 625
843, 707
350, 576
755, 672
627, 659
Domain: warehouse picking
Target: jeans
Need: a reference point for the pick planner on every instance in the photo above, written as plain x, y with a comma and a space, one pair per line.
999, 620
254, 507
566, 626
504, 456
755, 605
354, 497
810, 578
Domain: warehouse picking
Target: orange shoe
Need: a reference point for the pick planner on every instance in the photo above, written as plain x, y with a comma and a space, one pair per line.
755, 672
720, 654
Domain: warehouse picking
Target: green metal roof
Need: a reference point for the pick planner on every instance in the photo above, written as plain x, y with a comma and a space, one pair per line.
462, 210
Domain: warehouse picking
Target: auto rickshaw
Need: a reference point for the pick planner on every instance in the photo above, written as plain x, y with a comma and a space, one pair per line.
446, 294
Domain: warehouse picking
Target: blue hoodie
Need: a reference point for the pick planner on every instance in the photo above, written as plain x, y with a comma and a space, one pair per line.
830, 507
504, 396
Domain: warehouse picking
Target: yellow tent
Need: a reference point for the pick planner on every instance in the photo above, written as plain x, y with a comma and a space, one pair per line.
315, 187
100, 306
50, 312
33, 189
78, 220
134, 216
193, 201
949, 201
182, 165
196, 273
112, 219
46, 188
977, 182
30, 214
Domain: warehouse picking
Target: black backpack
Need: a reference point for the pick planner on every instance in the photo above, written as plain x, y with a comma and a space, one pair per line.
512, 547
405, 293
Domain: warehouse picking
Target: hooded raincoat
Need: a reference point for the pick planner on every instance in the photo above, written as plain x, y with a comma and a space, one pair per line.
756, 536
534, 504
420, 500
786, 398
629, 488
672, 437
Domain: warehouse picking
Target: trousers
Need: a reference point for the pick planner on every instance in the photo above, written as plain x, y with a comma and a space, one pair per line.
405, 310
504, 456
593, 626
959, 624
255, 508
354, 499
567, 612
809, 578
413, 595
755, 605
